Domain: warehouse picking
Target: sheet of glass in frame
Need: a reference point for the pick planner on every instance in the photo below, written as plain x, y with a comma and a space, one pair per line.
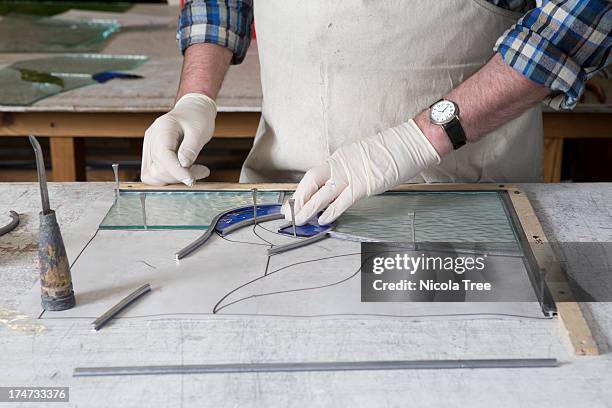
317, 281
460, 217
26, 34
25, 82
177, 210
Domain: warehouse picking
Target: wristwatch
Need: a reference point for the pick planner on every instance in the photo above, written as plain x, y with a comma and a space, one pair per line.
445, 113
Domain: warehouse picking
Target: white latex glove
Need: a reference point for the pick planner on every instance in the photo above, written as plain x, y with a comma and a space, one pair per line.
174, 140
364, 168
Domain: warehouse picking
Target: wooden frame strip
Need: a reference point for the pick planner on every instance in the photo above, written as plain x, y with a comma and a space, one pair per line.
568, 309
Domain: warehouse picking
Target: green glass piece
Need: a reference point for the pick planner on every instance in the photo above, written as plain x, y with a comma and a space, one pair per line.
30, 75
50, 8
25, 82
26, 34
177, 210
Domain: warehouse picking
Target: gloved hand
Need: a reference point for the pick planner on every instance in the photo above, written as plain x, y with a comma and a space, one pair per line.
174, 140
364, 168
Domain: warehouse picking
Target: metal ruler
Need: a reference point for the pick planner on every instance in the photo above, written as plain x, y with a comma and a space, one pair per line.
315, 366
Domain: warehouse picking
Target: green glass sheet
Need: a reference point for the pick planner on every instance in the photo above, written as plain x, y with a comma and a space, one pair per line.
25, 82
177, 210
26, 34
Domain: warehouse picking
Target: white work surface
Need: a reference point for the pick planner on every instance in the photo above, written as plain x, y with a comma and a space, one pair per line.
44, 353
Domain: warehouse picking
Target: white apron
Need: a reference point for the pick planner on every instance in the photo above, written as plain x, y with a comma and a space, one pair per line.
333, 72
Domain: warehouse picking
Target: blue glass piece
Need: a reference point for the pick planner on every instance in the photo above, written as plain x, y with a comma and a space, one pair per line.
245, 213
308, 230
106, 76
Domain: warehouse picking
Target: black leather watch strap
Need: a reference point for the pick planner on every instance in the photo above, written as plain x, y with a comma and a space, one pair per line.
455, 133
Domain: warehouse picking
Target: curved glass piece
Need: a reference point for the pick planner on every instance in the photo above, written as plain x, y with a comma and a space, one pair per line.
245, 213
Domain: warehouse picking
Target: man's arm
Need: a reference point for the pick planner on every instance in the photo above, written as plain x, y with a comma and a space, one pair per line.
491, 97
204, 68
549, 54
212, 34
488, 99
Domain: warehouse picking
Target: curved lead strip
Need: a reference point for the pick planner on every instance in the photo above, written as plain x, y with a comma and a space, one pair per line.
203, 238
11, 225
213, 225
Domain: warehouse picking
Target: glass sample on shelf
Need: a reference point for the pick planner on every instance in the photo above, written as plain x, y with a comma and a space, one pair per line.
177, 210
53, 7
27, 34
25, 82
81, 63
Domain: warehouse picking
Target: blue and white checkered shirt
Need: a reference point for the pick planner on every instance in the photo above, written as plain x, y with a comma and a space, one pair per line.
557, 43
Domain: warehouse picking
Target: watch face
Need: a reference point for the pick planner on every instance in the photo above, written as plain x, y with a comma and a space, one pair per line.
442, 112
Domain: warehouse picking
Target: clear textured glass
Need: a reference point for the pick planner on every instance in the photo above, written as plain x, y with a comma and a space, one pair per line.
459, 217
177, 210
471, 217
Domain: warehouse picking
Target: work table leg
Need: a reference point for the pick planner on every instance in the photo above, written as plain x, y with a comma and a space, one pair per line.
67, 158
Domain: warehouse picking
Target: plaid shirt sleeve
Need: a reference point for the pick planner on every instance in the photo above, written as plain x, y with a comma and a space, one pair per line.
223, 22
560, 44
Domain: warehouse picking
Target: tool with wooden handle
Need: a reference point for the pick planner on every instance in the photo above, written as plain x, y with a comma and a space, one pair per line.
55, 278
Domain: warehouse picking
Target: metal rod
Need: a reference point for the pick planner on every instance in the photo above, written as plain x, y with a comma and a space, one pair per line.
11, 225
115, 310
413, 230
317, 366
292, 207
42, 175
254, 206
143, 207
116, 172
297, 244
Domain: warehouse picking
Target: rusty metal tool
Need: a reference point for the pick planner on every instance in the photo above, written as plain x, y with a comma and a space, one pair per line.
115, 310
55, 278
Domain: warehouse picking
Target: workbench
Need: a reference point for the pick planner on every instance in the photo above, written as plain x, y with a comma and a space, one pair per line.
37, 355
127, 108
